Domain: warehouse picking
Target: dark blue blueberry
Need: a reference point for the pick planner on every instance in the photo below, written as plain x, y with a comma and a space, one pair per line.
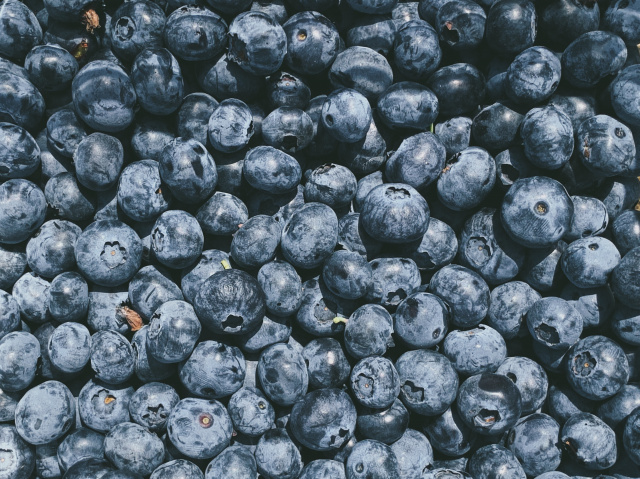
594, 304
174, 330
222, 214
530, 379
270, 170
9, 314
596, 367
195, 33
310, 235
235, 462
616, 410
210, 262
98, 160
386, 425
588, 262
563, 402
467, 179
592, 57
375, 382
21, 103
151, 405
372, 460
323, 143
135, 27
274, 329
346, 115
13, 263
590, 218
437, 248
199, 428
281, 286
214, 370
461, 24
331, 184
324, 419
230, 126
625, 323
312, 42
256, 242
257, 43
347, 275
250, 411
454, 134
80, 445
47, 465
459, 88
140, 193
494, 461
413, 453
150, 288
511, 165
542, 148
45, 413
562, 22
428, 381
112, 357
188, 169
496, 127
626, 231
193, 116
327, 364
19, 31
108, 253
418, 161
64, 132
511, 26
475, 351
22, 210
405, 12
631, 436
132, 448
489, 404
146, 367
416, 50
368, 331
373, 31
177, 239
70, 347
622, 18
230, 302
114, 112
624, 95
534, 441
277, 456
448, 433
365, 185
542, 268
178, 469
464, 291
323, 468
554, 323
50, 251
68, 199
618, 194
19, 456
20, 352
394, 213
222, 79
282, 374
288, 128
102, 407
362, 69
20, 154
352, 237
32, 293
150, 135
589, 441
422, 320
533, 76
536, 211
408, 105
287, 90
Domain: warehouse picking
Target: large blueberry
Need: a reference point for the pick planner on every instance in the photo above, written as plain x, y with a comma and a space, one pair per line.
533, 76
589, 441
132, 448
22, 210
547, 134
282, 374
194, 33
173, 332
408, 105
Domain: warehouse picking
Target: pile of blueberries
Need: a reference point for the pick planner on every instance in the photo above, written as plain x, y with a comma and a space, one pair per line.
319, 239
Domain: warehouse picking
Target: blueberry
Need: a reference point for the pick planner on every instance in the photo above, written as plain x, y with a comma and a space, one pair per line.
542, 268
422, 320
177, 469
459, 88
327, 364
408, 105
533, 76
626, 231
511, 26
373, 31
467, 179
589, 441
115, 112
261, 57
136, 27
590, 218
98, 160
13, 262
68, 199
534, 441
21, 154
496, 127
624, 323
622, 18
188, 169
509, 304
323, 468
475, 351
416, 50
9, 314
495, 461
616, 410
281, 286
368, 331
417, 162
230, 126
64, 132
554, 323
222, 214
250, 411
464, 291
89, 469
70, 347
132, 448
537, 211
445, 473
282, 374
375, 382
21, 103
489, 404
421, 371
588, 262
372, 459
530, 379
347, 275
193, 116
199, 428
112, 357
362, 69
50, 251
631, 436
19, 456
563, 22
173, 332
319, 308
618, 194
323, 143
177, 239
624, 99
151, 405
32, 294
146, 367
542, 148
150, 288
235, 462
222, 79
80, 445
596, 367
287, 128
256, 242
277, 456
22, 210
622, 283
309, 235
21, 352
372, 6
20, 31
102, 406
455, 134
346, 115
194, 33
140, 193
209, 263
214, 370
461, 24
448, 433
436, 249
287, 90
